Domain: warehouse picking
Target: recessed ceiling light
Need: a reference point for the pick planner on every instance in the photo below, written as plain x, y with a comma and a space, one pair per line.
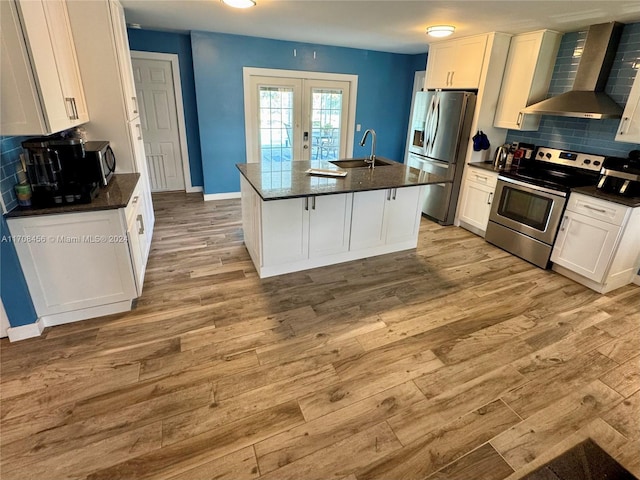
239, 3
440, 30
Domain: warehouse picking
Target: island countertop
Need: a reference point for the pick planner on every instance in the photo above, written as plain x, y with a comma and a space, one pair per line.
295, 182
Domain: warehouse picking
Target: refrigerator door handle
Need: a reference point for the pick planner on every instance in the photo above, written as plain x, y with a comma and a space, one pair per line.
428, 122
437, 126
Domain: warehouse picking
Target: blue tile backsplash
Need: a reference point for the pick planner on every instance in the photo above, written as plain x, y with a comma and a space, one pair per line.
10, 150
581, 134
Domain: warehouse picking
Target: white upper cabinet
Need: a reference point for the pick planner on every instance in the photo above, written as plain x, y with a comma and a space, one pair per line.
124, 59
526, 78
629, 129
42, 89
456, 63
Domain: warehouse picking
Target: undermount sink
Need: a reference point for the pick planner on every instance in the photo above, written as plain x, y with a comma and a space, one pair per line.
360, 162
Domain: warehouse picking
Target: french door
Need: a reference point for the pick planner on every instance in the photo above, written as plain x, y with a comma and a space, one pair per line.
297, 119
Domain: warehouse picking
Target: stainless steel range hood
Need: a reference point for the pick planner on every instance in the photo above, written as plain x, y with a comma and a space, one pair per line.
587, 98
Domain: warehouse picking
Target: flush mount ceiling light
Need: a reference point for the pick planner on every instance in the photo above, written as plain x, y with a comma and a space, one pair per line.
440, 30
239, 3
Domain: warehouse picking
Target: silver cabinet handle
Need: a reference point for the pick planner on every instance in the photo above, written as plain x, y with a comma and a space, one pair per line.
490, 198
388, 195
306, 203
599, 210
75, 109
395, 191
519, 121
313, 203
135, 103
622, 122
480, 176
452, 74
69, 106
448, 75
564, 221
141, 221
139, 131
135, 200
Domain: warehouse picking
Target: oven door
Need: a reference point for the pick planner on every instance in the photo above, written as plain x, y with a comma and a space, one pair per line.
528, 209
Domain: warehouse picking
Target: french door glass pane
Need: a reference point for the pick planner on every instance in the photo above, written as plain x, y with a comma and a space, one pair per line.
326, 113
276, 128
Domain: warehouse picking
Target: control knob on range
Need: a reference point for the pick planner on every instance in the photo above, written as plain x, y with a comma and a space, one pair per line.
540, 154
548, 155
596, 163
587, 162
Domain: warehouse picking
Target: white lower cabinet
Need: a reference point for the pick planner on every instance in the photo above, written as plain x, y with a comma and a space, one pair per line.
477, 195
82, 265
294, 234
598, 244
298, 229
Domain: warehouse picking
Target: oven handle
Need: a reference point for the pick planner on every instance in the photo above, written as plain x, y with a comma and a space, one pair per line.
538, 188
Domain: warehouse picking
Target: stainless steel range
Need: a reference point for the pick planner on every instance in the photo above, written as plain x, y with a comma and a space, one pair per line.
530, 201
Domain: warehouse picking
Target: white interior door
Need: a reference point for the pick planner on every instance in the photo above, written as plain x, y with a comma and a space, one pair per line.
297, 119
159, 121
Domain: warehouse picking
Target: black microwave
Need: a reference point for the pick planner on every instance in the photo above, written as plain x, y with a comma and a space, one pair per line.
101, 162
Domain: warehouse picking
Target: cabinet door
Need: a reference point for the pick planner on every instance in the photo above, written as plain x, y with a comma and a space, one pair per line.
137, 142
329, 224
138, 244
440, 65
475, 204
367, 220
20, 109
585, 245
629, 129
468, 60
83, 260
124, 59
64, 51
285, 231
402, 214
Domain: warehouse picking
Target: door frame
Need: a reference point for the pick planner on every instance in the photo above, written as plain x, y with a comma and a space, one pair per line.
182, 129
250, 114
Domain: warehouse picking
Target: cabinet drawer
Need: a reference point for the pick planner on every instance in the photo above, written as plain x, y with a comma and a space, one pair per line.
132, 206
592, 207
483, 177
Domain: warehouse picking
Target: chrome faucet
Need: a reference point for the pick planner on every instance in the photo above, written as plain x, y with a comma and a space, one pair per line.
372, 158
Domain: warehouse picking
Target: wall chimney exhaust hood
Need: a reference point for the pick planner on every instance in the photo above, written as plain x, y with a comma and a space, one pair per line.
587, 98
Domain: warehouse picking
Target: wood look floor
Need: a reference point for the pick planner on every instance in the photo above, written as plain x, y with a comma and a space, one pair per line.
455, 361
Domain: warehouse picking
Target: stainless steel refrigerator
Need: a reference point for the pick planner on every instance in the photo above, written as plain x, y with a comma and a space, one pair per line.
441, 126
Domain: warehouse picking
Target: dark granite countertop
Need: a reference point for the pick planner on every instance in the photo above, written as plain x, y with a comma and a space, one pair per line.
487, 166
280, 184
115, 195
611, 197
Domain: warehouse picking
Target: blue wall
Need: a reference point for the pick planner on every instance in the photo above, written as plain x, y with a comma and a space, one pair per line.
584, 135
180, 44
13, 287
385, 82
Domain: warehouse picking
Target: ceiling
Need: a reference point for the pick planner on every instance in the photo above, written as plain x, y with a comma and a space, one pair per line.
391, 26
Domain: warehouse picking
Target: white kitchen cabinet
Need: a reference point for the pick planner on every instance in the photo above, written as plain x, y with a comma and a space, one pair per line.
475, 203
629, 129
123, 54
42, 90
297, 229
385, 217
77, 265
137, 235
598, 244
110, 91
526, 79
456, 63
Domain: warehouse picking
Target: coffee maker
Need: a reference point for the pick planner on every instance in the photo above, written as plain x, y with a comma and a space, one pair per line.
621, 176
56, 170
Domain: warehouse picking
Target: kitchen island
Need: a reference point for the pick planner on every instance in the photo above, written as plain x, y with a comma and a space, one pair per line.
294, 221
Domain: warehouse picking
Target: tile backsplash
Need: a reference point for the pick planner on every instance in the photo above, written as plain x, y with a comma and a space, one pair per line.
10, 150
580, 134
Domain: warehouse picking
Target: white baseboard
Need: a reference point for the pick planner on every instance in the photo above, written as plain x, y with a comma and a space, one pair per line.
35, 329
221, 196
26, 331
194, 189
